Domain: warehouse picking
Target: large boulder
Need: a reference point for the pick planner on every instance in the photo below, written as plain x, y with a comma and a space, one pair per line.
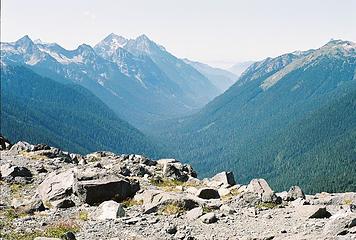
97, 191
91, 186
155, 200
294, 193
58, 188
11, 173
108, 210
262, 190
208, 193
173, 169
28, 206
224, 178
312, 211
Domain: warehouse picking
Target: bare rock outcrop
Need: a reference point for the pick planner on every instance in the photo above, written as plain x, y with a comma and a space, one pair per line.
103, 195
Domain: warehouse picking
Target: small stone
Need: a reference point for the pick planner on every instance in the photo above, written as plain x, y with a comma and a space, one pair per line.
194, 214
68, 236
108, 210
209, 218
227, 209
171, 229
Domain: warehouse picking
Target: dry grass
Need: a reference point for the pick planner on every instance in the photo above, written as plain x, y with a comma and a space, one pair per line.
33, 156
263, 205
172, 185
233, 193
130, 202
172, 209
83, 215
347, 201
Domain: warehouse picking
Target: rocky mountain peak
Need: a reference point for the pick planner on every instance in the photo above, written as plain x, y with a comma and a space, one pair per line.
114, 40
24, 44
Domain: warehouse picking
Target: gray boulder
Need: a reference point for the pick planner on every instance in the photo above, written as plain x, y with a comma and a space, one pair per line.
155, 200
224, 178
11, 173
97, 191
28, 206
208, 193
108, 210
58, 188
312, 211
173, 169
294, 193
194, 213
261, 188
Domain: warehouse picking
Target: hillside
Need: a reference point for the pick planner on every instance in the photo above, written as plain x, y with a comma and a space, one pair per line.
38, 109
259, 125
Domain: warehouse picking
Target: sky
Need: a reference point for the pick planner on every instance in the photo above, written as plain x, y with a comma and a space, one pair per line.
217, 32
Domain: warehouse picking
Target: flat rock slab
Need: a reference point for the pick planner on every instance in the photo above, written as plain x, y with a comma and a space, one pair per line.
312, 211
95, 192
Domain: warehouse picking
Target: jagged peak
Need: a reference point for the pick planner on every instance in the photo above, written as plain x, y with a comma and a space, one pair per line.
143, 37
25, 40
113, 38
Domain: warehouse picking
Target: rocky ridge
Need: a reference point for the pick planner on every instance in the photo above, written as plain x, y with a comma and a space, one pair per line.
47, 193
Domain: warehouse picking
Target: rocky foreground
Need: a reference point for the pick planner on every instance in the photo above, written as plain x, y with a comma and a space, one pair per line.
47, 193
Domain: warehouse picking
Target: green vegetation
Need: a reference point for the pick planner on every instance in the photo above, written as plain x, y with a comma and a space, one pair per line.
301, 131
41, 110
52, 231
15, 189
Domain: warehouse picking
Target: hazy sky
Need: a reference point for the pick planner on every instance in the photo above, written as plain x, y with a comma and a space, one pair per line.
218, 32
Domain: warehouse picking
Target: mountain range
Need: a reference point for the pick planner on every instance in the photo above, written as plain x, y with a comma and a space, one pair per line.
123, 73
281, 117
